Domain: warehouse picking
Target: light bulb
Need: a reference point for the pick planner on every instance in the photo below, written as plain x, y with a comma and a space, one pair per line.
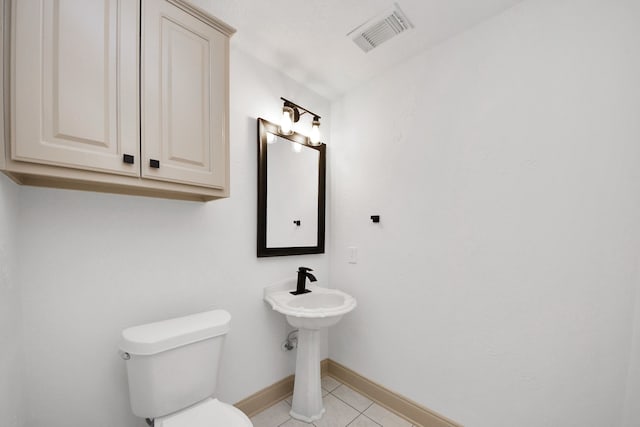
286, 123
314, 138
271, 138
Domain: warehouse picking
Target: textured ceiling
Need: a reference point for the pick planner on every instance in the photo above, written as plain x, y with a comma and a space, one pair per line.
306, 39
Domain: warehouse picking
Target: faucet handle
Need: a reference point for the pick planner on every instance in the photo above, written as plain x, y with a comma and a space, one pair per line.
304, 269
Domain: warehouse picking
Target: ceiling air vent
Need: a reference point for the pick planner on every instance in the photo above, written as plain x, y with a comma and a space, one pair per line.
381, 28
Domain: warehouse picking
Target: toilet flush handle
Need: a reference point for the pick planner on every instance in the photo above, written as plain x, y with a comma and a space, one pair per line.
125, 356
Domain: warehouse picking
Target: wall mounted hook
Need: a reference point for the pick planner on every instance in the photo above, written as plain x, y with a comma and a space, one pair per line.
375, 218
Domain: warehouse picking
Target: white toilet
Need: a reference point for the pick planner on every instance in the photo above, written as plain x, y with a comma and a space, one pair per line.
172, 367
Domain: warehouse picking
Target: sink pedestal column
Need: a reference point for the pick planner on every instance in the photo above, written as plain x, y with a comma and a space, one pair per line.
307, 391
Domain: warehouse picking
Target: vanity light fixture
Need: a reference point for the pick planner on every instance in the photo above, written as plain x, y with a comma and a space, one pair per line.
291, 113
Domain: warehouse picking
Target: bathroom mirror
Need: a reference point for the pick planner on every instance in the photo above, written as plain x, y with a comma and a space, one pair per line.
291, 193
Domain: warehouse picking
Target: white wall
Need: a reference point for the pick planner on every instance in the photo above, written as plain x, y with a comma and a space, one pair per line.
632, 401
499, 287
11, 396
92, 264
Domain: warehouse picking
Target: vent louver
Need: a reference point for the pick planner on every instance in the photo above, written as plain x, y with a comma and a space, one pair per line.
381, 28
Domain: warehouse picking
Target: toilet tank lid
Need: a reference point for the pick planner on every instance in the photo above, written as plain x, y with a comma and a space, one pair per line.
160, 336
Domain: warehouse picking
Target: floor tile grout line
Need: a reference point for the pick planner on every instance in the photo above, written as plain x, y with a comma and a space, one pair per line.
351, 406
339, 384
370, 405
290, 418
372, 420
362, 413
356, 409
350, 422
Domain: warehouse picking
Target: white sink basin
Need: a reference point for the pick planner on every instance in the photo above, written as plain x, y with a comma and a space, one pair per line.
320, 308
309, 313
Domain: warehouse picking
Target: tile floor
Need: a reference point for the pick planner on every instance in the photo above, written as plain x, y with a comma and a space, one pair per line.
343, 407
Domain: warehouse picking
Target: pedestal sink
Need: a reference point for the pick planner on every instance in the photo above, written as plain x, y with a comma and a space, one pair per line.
309, 312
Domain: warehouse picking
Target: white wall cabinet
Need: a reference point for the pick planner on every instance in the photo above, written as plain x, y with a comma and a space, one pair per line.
118, 96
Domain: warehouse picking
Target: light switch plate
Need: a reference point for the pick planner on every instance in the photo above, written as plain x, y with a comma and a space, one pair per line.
352, 255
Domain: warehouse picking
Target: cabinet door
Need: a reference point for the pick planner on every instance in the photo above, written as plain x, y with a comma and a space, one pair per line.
184, 97
75, 88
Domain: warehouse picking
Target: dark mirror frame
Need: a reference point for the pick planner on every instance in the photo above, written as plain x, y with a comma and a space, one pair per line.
265, 127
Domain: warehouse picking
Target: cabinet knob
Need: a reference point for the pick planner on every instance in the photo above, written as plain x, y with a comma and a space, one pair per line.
153, 163
128, 158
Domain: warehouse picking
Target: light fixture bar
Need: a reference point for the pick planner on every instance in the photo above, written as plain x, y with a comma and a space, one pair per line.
291, 113
288, 103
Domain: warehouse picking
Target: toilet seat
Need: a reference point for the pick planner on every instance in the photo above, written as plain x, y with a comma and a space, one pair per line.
209, 413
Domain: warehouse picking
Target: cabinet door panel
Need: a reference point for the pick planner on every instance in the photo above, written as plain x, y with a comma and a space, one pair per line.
75, 83
184, 97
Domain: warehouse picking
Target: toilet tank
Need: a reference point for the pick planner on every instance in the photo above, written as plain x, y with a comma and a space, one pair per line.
173, 364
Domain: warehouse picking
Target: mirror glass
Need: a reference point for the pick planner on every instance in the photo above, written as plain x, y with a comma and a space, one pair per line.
291, 193
292, 213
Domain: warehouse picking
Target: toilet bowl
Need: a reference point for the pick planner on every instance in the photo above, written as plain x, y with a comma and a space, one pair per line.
209, 413
172, 368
